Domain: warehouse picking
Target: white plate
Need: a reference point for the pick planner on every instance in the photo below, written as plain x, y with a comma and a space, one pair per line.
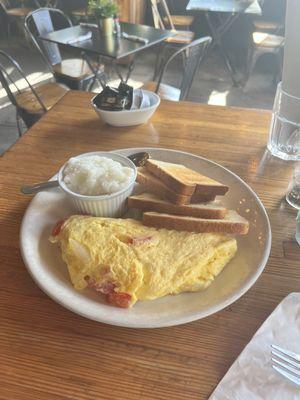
44, 262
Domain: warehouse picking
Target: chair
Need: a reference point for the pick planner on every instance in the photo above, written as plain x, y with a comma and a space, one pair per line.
80, 14
47, 3
179, 21
166, 18
263, 43
195, 53
160, 12
31, 103
263, 24
13, 14
75, 72
162, 19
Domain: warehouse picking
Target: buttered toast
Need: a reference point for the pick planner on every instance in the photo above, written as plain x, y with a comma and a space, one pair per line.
151, 202
184, 180
233, 223
158, 187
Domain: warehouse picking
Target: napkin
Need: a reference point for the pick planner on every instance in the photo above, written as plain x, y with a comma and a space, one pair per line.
80, 38
140, 99
252, 377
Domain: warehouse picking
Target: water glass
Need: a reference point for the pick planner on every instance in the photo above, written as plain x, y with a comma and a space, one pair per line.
293, 194
298, 228
284, 136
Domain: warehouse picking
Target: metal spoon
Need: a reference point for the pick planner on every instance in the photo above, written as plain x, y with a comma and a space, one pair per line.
138, 159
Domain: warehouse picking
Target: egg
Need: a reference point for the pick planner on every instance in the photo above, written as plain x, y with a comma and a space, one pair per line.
127, 261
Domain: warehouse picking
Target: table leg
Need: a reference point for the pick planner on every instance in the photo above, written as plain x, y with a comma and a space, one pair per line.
129, 71
217, 34
116, 68
95, 72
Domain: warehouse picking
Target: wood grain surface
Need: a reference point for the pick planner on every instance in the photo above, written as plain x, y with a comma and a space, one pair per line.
47, 352
49, 94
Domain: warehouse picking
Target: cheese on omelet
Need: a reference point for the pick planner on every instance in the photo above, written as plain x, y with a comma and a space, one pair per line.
143, 263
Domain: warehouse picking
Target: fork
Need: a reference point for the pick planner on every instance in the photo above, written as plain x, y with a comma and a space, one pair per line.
286, 363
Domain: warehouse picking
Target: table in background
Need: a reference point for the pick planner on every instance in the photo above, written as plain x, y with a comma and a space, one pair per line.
111, 47
47, 3
49, 353
220, 15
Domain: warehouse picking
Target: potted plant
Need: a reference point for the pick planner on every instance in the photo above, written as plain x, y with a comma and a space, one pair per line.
104, 12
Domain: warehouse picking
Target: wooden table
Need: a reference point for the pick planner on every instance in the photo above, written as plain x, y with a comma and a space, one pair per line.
47, 352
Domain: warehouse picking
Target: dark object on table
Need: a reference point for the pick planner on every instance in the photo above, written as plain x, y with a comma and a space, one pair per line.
115, 99
113, 47
76, 73
196, 52
32, 102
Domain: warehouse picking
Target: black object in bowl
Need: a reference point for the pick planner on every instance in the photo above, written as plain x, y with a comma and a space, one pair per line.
114, 99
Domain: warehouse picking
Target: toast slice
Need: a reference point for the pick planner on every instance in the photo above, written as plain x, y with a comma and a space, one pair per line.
150, 202
197, 197
156, 186
233, 223
184, 180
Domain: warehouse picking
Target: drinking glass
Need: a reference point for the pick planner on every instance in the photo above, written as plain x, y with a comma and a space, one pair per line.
298, 228
293, 194
284, 136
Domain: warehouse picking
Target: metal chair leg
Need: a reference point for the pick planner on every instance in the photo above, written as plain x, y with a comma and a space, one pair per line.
18, 123
9, 28
159, 61
253, 57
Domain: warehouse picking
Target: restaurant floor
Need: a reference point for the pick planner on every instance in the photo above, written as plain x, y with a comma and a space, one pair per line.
211, 85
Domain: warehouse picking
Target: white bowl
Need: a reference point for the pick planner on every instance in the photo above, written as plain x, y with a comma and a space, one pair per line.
129, 117
109, 205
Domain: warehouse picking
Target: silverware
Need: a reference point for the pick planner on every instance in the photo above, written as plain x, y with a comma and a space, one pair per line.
286, 363
134, 38
138, 159
39, 187
87, 25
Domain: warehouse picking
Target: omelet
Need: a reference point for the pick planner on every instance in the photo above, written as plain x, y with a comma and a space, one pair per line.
127, 261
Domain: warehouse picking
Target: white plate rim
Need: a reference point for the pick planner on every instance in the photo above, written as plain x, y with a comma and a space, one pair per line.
180, 320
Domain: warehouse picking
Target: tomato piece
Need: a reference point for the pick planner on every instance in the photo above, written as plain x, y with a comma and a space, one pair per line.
138, 240
58, 227
118, 299
108, 289
102, 287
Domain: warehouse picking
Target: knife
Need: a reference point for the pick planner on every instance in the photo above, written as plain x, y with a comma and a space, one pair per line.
134, 38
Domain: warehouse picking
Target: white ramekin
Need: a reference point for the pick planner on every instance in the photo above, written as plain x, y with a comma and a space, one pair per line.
110, 205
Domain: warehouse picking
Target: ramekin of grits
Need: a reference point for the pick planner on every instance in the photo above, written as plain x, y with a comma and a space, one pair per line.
98, 183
